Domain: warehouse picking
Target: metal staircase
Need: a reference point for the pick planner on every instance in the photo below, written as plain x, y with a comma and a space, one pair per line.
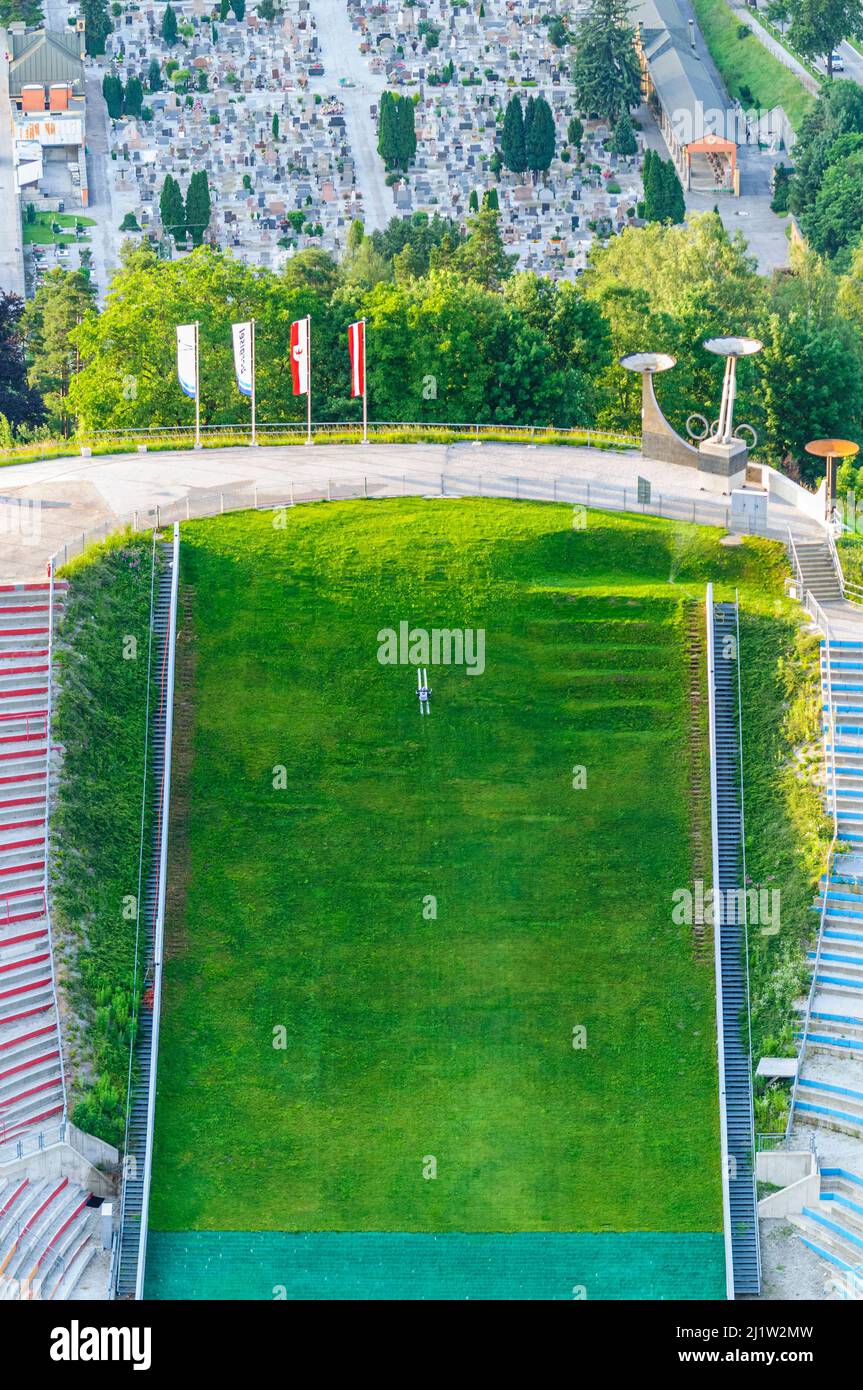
730, 931
131, 1253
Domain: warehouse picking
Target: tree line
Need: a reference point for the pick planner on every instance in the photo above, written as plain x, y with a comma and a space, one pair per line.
455, 333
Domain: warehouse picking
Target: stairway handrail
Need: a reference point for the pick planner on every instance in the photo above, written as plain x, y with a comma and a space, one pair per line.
816, 611
837, 563
740, 726
852, 593
159, 924
717, 952
745, 898
136, 1002
795, 559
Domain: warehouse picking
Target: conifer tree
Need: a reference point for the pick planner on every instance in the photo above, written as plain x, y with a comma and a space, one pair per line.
512, 138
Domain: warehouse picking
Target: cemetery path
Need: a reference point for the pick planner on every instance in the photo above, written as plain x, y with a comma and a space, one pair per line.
11, 250
104, 237
341, 58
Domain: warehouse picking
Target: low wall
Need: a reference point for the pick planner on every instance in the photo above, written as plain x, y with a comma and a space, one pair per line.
64, 1161
796, 1174
791, 1200
783, 1168
778, 485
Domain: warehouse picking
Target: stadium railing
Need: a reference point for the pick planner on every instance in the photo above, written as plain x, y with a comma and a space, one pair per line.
518, 487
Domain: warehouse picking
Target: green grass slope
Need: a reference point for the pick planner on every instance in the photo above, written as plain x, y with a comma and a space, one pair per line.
301, 908
746, 62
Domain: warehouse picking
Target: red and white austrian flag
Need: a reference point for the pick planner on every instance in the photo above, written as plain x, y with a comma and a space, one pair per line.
300, 356
357, 349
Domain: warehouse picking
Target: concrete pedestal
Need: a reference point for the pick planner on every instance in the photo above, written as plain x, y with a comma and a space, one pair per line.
724, 465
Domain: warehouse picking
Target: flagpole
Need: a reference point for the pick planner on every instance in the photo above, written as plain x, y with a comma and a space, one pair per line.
254, 419
309, 439
197, 390
365, 388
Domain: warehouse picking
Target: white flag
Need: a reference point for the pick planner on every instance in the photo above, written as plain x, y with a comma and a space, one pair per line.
187, 357
243, 357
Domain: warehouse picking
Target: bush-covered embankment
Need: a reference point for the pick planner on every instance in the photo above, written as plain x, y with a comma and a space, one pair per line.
100, 722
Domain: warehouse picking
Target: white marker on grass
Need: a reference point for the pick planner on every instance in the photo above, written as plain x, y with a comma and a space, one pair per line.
423, 691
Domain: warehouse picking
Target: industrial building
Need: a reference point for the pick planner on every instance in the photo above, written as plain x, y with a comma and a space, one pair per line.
47, 92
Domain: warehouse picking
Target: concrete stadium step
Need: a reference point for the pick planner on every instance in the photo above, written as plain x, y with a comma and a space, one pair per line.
46, 1226
827, 1229
22, 744
16, 899
846, 756
839, 971
829, 1106
21, 811
60, 1225
842, 1181
16, 862
36, 1117
840, 915
38, 1027
23, 999
25, 1044
15, 840
71, 1275
848, 946
37, 1095
22, 673
824, 1246
24, 975
21, 1211
12, 593
843, 1211
831, 1038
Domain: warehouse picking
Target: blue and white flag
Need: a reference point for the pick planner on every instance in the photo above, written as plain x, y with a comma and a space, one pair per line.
187, 357
244, 356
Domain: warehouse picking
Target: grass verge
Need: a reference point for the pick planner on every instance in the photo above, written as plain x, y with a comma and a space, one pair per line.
425, 434
787, 832
747, 63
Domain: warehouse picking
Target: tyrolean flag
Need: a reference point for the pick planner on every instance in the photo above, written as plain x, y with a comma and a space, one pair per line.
300, 356
357, 350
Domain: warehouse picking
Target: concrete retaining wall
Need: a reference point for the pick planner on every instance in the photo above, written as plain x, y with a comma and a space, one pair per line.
74, 1159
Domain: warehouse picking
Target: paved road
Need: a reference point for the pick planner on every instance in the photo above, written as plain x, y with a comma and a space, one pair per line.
341, 58
853, 63
104, 237
46, 505
11, 250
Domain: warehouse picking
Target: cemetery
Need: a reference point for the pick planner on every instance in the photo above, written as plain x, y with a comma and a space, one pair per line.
246, 102
239, 108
